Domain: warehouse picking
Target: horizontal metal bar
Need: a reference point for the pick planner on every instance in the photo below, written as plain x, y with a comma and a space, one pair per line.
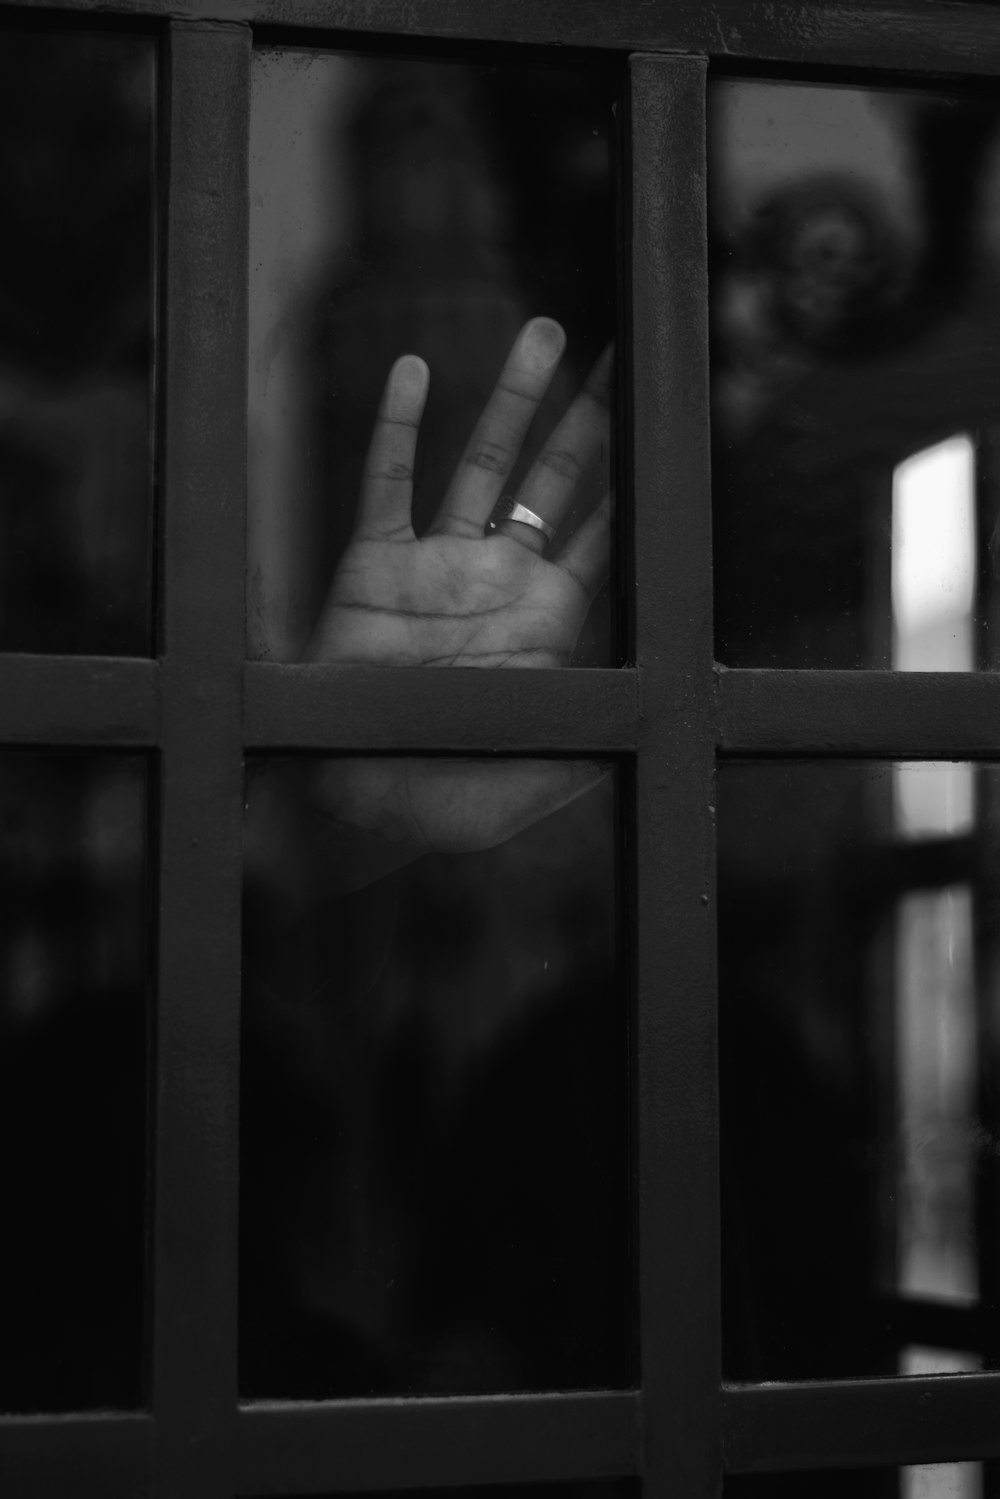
78, 700
932, 36
927, 715
347, 1445
426, 708
89, 1456
857, 1423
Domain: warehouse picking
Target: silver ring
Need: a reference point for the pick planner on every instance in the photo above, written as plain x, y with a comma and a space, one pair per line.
509, 509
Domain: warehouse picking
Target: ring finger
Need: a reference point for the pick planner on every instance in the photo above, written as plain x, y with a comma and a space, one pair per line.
580, 437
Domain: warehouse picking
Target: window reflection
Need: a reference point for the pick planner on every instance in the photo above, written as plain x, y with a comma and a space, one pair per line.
409, 206
73, 1097
856, 270
434, 1148
76, 330
858, 975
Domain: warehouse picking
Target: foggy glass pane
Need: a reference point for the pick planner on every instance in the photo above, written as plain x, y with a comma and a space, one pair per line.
434, 1108
923, 1481
74, 1025
859, 943
412, 206
855, 380
76, 341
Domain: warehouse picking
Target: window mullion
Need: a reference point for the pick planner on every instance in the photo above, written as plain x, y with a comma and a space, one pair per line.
203, 566
677, 1031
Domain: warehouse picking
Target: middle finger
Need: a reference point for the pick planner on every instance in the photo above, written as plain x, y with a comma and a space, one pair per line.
495, 444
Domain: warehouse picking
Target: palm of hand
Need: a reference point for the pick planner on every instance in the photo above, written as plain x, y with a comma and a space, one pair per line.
459, 597
447, 600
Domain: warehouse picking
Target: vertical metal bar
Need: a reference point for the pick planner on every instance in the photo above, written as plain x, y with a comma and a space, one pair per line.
197, 1034
677, 1028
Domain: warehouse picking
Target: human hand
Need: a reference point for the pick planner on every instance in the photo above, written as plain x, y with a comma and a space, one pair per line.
461, 596
457, 595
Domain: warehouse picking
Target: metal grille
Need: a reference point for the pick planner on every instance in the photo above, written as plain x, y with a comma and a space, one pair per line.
199, 707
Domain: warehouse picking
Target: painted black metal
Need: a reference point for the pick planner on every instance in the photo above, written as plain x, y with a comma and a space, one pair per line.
930, 715
426, 1443
100, 1456
79, 700
677, 1042
944, 1418
198, 1002
932, 36
673, 712
396, 708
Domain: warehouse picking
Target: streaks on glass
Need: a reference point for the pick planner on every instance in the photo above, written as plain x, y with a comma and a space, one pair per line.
74, 1036
855, 308
76, 341
434, 1112
859, 929
410, 206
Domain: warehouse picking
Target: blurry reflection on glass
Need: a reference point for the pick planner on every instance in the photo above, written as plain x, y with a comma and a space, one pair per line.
73, 1057
855, 313
859, 933
434, 1158
411, 207
76, 330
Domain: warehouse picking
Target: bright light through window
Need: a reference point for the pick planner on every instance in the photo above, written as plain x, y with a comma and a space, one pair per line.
934, 558
933, 590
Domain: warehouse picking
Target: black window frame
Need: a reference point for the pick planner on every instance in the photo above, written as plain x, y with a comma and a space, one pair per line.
200, 706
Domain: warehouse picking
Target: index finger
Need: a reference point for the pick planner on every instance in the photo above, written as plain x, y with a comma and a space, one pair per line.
386, 500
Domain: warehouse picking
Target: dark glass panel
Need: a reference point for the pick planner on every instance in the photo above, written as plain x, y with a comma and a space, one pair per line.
858, 944
74, 1024
76, 337
411, 206
435, 1133
856, 385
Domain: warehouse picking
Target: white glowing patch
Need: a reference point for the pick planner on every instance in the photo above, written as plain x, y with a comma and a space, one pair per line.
933, 798
934, 558
942, 1481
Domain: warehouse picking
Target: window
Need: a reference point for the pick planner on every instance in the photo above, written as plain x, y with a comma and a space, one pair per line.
164, 738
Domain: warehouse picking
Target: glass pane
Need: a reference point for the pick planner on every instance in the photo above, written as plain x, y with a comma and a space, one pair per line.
76, 339
410, 206
856, 384
859, 941
925, 1481
435, 1123
74, 1026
